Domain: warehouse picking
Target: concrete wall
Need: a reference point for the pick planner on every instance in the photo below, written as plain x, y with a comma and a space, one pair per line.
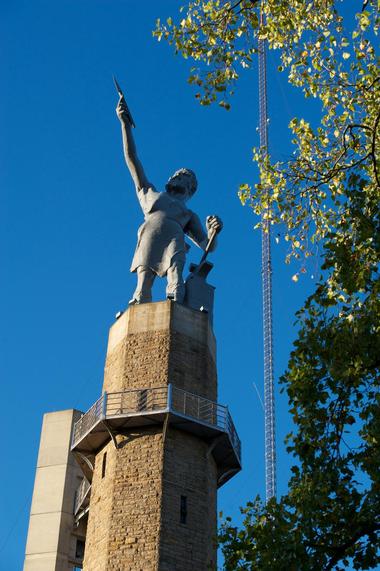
52, 539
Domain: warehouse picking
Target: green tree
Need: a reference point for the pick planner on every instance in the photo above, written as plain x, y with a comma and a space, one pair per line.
328, 195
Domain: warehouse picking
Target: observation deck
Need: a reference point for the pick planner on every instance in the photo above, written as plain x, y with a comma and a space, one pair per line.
144, 407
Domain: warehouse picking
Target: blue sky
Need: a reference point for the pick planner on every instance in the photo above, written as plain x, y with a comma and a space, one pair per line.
69, 216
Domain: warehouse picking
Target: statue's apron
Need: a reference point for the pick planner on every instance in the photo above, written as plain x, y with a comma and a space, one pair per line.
161, 239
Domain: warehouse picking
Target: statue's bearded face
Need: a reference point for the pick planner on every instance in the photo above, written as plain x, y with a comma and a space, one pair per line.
182, 184
180, 187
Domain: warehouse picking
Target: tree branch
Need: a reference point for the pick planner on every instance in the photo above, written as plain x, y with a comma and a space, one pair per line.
341, 550
373, 147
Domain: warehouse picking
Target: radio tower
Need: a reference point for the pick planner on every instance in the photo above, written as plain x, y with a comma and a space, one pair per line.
269, 408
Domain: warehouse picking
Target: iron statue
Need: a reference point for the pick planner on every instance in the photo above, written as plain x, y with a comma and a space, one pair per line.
161, 247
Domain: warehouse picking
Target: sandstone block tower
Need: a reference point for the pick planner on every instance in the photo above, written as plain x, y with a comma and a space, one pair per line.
154, 448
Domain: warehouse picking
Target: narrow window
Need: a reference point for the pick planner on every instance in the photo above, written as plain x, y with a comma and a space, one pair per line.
79, 551
183, 510
104, 463
142, 401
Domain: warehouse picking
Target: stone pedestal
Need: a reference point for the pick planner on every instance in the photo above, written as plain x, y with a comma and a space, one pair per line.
153, 499
154, 344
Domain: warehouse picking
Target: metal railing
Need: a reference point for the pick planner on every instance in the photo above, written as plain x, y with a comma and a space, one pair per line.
206, 411
137, 400
133, 402
89, 419
81, 494
198, 407
231, 431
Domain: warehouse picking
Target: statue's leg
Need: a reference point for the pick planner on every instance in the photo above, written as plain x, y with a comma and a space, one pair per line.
175, 289
145, 279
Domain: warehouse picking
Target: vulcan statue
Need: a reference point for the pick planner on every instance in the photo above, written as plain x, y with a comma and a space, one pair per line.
161, 248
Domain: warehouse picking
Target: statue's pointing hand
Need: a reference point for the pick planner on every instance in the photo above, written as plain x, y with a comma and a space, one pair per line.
213, 225
122, 111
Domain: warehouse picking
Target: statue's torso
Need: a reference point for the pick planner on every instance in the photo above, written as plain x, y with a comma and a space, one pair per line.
161, 236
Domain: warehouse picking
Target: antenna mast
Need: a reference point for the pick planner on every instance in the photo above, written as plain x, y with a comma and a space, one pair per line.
269, 407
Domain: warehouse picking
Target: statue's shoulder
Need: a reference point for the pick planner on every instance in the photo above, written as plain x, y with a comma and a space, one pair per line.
147, 196
147, 188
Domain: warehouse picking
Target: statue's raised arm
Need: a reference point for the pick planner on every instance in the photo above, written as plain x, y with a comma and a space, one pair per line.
133, 162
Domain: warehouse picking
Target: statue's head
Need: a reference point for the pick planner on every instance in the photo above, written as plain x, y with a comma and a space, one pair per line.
182, 184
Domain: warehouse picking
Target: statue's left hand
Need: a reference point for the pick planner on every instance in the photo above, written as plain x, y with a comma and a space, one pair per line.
213, 224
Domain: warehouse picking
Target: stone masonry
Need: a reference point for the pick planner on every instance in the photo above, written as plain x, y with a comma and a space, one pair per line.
153, 500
